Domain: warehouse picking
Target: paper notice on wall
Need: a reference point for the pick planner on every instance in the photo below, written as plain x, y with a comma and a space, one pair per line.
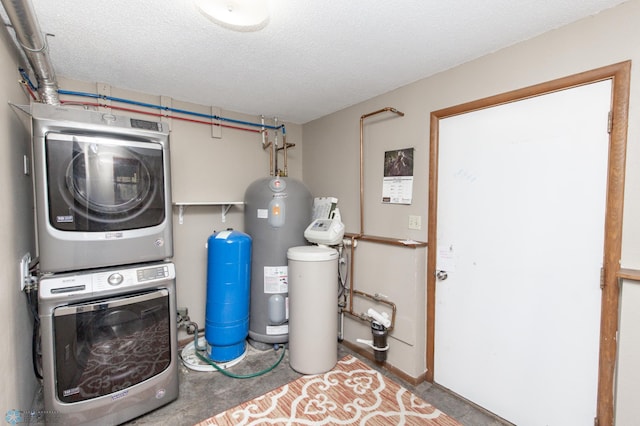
276, 280
397, 184
445, 258
397, 190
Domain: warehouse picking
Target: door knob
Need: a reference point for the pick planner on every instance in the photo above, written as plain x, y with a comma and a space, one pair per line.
441, 275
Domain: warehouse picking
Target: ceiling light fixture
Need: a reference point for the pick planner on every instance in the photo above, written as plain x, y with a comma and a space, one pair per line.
237, 15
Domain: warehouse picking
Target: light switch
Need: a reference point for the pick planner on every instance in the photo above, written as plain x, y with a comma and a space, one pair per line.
415, 222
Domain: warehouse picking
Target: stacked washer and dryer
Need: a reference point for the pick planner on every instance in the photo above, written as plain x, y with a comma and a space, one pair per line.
107, 304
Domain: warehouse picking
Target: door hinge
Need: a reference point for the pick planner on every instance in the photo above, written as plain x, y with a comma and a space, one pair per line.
596, 421
601, 278
610, 122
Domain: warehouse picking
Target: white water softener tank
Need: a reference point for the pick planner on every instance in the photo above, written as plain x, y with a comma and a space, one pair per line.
277, 211
313, 309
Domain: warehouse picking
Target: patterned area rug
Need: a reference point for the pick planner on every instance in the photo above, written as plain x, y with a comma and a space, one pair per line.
350, 394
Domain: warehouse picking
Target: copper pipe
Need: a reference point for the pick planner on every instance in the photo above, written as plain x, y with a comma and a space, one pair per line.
387, 109
276, 172
352, 291
376, 297
267, 146
272, 168
352, 272
285, 146
381, 300
355, 237
284, 149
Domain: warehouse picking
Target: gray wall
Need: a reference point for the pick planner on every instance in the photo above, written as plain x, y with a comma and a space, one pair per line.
17, 236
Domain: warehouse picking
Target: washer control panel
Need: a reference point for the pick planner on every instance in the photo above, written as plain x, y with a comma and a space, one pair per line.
95, 282
155, 273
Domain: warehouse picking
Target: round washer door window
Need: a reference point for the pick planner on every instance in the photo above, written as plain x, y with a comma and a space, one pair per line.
109, 183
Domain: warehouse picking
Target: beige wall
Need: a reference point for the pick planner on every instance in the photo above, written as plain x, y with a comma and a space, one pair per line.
17, 236
331, 144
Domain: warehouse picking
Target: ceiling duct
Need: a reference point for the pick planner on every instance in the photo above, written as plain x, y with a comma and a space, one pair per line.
34, 45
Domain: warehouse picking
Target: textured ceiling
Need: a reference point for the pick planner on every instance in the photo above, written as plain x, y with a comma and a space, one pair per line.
313, 58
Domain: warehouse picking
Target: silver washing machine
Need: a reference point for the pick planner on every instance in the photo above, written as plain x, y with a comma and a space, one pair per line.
109, 343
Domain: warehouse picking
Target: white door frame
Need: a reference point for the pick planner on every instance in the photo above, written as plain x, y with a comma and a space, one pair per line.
620, 75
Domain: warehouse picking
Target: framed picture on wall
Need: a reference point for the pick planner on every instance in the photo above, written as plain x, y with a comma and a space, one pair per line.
397, 185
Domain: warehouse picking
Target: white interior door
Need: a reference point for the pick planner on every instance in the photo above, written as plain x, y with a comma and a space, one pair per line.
521, 207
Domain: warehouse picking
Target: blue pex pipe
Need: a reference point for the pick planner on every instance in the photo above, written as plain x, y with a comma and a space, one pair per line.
164, 108
24, 75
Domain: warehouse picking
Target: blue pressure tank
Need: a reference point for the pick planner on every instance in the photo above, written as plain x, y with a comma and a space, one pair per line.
228, 289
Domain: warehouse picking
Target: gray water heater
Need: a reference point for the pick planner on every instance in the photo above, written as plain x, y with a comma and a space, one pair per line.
277, 211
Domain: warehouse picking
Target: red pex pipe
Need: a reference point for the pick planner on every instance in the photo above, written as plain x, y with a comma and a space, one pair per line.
156, 114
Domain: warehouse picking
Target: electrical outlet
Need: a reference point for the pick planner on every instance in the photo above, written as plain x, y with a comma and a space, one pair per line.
24, 270
183, 312
415, 222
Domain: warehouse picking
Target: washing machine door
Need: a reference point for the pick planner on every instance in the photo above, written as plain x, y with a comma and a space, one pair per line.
103, 183
105, 346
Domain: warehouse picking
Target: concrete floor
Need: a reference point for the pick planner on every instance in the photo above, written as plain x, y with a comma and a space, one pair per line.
204, 394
